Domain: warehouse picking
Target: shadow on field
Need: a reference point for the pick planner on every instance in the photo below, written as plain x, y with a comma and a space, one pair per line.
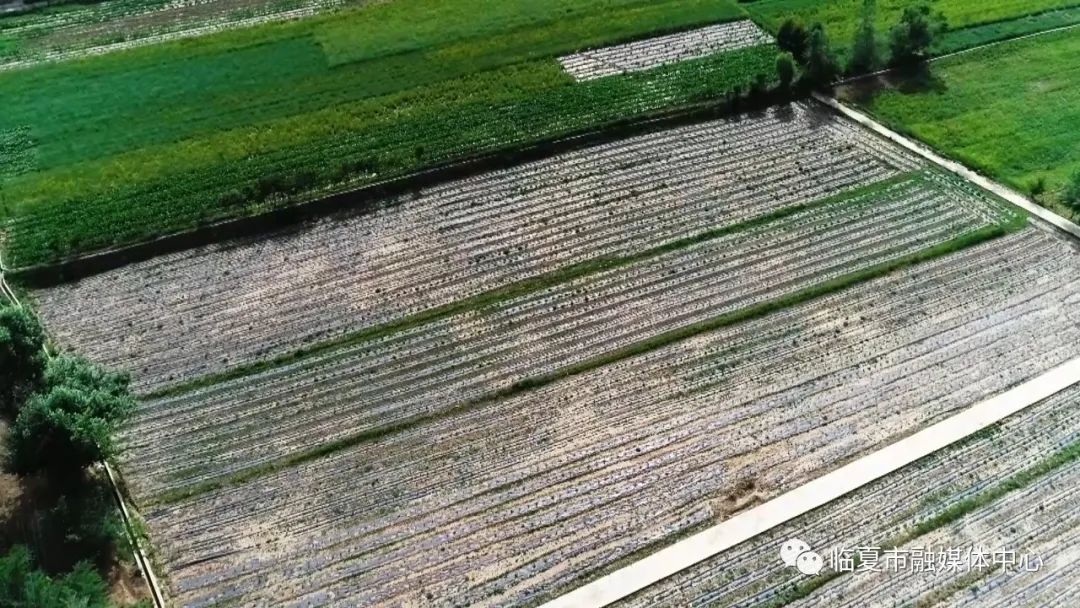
914, 80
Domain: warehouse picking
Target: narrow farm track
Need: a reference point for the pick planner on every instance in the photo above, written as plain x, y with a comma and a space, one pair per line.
515, 501
251, 300
1041, 518
253, 420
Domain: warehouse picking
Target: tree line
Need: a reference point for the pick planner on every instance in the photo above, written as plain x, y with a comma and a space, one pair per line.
909, 42
62, 414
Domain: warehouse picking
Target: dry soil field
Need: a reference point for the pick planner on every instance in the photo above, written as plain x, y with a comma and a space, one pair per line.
511, 383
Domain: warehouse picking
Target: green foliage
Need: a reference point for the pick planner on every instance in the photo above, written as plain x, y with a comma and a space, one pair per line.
971, 22
793, 38
909, 40
864, 50
785, 70
821, 65
71, 424
1011, 111
1071, 195
22, 361
167, 137
22, 586
246, 171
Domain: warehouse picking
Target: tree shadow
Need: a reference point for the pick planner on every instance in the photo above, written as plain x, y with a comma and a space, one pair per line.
918, 79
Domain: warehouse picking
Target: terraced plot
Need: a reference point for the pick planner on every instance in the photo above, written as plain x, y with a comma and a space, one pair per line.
247, 301
426, 371
523, 497
1012, 489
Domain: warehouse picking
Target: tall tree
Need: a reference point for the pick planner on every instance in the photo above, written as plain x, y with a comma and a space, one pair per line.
910, 40
864, 50
821, 65
793, 38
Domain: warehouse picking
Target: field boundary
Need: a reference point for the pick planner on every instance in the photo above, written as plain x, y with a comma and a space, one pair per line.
954, 167
818, 492
141, 559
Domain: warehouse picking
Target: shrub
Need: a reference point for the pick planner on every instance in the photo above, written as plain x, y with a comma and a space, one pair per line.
1037, 186
909, 40
22, 585
793, 38
71, 425
864, 52
1071, 195
22, 361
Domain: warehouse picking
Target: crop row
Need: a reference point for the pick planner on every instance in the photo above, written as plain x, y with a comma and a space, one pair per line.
248, 300
257, 419
903, 508
662, 50
120, 24
516, 500
1040, 521
258, 118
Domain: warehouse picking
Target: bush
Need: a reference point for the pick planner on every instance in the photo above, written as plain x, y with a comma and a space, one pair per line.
821, 65
21, 585
864, 52
71, 425
793, 38
1071, 195
909, 40
1037, 186
21, 359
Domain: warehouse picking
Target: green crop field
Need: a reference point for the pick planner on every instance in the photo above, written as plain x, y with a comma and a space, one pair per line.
970, 23
116, 148
1011, 110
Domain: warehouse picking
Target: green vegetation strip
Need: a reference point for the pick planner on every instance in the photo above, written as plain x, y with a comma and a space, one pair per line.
950, 515
640, 348
121, 148
528, 286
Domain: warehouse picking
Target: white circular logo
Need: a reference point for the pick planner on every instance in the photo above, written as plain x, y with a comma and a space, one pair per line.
790, 551
809, 563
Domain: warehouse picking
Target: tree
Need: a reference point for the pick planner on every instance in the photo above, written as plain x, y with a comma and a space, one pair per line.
22, 585
793, 38
71, 424
21, 358
821, 65
864, 52
909, 40
785, 70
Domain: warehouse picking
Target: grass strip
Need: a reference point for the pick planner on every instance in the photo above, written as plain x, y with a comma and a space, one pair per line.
952, 514
528, 286
639, 348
